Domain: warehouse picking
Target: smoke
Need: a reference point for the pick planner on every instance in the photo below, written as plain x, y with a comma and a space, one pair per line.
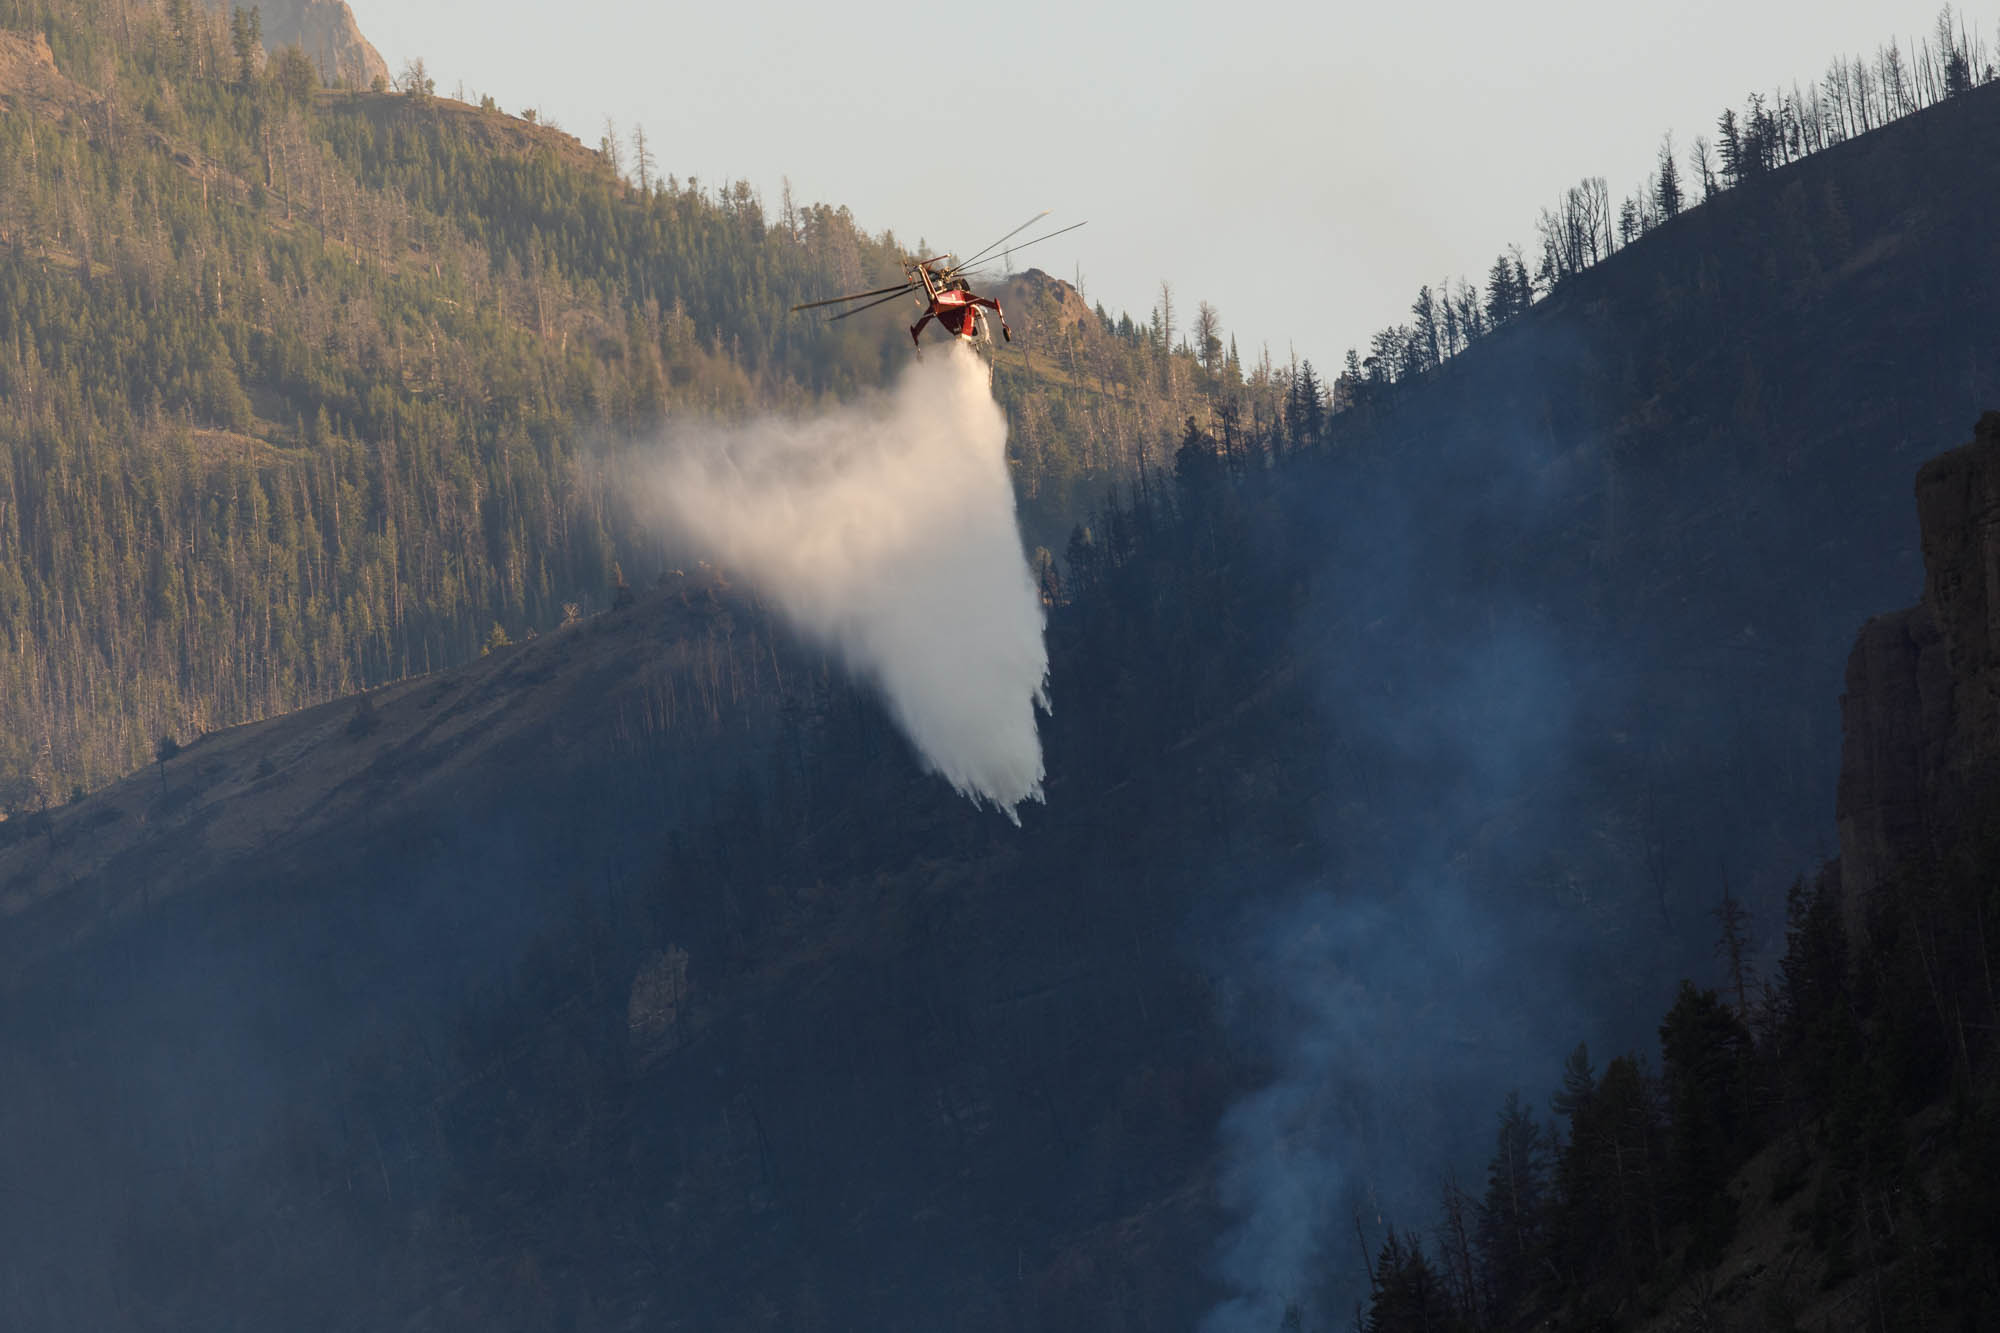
1486, 858
1400, 1000
885, 530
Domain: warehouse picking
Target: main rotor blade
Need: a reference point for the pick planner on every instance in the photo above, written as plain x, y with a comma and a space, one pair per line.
1022, 246
1009, 236
871, 305
897, 290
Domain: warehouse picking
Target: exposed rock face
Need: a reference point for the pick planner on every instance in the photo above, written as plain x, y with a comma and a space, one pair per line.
329, 34
1921, 716
29, 79
1958, 504
1038, 303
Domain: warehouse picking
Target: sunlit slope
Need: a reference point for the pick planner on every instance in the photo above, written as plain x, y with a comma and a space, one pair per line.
301, 389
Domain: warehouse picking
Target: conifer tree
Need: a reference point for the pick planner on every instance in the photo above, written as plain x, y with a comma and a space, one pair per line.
1667, 182
1305, 407
1706, 1051
1406, 1296
1424, 309
642, 159
1729, 147
246, 39
1509, 1230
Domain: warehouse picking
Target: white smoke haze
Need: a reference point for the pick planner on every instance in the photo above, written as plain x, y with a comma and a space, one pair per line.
885, 530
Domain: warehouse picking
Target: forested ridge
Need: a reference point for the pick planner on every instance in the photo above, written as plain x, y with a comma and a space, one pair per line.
1773, 130
300, 387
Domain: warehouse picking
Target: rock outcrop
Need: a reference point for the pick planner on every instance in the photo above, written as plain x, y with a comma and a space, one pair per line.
1037, 303
1920, 761
329, 34
30, 81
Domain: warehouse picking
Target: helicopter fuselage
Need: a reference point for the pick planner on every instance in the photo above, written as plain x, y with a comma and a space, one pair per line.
955, 308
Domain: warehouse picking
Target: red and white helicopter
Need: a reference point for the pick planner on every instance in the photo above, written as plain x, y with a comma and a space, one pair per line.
940, 282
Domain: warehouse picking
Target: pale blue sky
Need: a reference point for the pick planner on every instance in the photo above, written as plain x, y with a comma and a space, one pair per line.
1302, 166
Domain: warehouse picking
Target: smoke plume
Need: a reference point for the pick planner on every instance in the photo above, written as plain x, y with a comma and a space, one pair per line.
885, 530
1489, 845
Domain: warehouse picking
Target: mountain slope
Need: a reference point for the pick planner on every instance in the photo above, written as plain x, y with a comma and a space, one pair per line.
524, 997
304, 390
773, 1021
1724, 417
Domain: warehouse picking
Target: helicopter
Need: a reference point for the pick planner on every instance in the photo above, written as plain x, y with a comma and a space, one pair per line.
940, 282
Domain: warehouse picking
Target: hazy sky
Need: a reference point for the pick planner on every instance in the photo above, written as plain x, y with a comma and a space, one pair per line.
1304, 167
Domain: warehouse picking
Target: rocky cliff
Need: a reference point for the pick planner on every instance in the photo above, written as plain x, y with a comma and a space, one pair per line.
329, 34
1038, 303
1920, 760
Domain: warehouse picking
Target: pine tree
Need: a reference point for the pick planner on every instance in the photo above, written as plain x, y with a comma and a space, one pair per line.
1406, 1296
1957, 61
246, 39
1608, 1176
1706, 1050
1424, 309
1305, 407
642, 159
296, 76
1757, 152
1729, 147
1817, 1007
1509, 1230
1667, 182
1524, 286
1579, 1085
1732, 945
182, 26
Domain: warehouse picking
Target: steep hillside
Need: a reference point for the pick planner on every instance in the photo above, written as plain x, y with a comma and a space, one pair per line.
634, 975
648, 979
302, 389
1817, 1147
268, 800
1656, 506
1721, 419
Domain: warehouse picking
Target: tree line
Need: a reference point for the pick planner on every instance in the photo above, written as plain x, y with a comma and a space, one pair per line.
1585, 225
1620, 1204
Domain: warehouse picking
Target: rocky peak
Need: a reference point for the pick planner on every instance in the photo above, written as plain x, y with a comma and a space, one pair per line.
1044, 304
329, 34
1920, 757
